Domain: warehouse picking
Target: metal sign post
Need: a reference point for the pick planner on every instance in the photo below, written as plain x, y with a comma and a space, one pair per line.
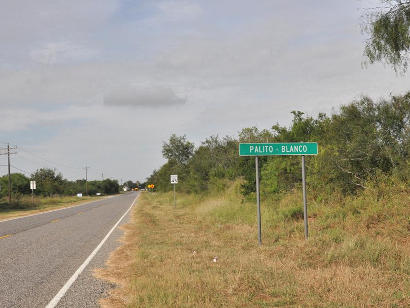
32, 187
274, 149
174, 181
305, 215
258, 201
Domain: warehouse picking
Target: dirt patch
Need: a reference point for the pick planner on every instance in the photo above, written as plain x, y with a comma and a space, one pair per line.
119, 266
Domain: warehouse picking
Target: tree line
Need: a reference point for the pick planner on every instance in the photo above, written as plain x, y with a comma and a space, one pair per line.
51, 183
361, 142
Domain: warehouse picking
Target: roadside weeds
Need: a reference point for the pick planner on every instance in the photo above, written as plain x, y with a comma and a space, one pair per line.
200, 254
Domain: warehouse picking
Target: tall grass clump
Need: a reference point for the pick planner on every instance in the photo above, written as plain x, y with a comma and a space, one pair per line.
204, 251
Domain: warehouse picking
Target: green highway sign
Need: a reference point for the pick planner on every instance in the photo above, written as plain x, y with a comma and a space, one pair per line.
268, 149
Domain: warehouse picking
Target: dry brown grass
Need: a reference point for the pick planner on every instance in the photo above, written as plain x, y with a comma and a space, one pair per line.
119, 265
167, 257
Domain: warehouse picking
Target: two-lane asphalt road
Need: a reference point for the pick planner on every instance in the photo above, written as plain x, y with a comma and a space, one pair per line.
48, 258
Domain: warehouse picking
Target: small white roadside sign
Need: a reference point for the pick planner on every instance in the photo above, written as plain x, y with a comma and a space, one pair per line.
32, 185
174, 178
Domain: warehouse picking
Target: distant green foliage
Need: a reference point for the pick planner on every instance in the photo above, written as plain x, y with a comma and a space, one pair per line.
130, 184
213, 160
50, 183
363, 141
20, 184
106, 186
110, 186
178, 149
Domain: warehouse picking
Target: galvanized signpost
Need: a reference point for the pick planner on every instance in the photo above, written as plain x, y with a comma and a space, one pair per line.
273, 149
32, 187
174, 181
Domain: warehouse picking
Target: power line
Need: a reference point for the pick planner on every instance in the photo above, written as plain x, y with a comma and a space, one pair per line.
35, 161
56, 164
35, 158
24, 171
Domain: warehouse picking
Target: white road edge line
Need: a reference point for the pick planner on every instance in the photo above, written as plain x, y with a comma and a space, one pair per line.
60, 209
73, 278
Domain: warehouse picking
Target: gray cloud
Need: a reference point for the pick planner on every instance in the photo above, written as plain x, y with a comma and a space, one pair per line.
62, 52
143, 96
21, 119
240, 63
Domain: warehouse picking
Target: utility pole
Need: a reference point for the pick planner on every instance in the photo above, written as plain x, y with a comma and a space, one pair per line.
8, 160
8, 153
86, 179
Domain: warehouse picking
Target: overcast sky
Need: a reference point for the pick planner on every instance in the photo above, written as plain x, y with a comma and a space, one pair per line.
105, 82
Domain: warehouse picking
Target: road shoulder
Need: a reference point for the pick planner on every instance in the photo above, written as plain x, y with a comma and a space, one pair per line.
116, 270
